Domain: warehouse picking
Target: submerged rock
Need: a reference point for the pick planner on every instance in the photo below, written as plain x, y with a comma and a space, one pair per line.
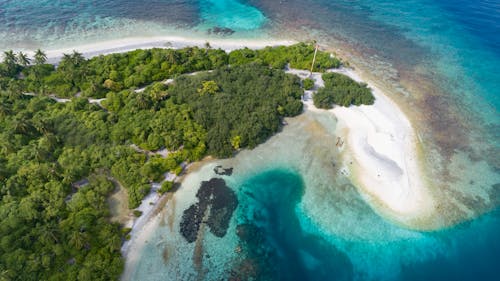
216, 198
218, 30
190, 223
219, 170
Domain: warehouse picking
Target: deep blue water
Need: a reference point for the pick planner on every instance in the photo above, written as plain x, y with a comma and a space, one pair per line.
454, 42
481, 18
286, 251
280, 246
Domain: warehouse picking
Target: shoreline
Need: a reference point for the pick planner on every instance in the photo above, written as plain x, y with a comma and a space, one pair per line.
386, 167
165, 42
380, 143
380, 155
142, 228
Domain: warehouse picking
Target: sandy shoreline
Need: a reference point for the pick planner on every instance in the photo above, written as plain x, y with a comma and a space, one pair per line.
380, 144
133, 43
380, 155
384, 150
144, 226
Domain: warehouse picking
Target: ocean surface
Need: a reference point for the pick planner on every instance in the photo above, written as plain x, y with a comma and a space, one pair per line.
438, 59
299, 218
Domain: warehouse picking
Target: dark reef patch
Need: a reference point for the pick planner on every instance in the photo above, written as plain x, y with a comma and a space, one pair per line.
190, 224
219, 170
216, 202
218, 30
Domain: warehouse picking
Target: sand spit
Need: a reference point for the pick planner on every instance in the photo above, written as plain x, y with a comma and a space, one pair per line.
380, 149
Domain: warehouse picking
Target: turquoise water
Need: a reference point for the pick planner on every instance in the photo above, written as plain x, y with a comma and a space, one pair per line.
47, 24
441, 58
278, 244
276, 239
291, 250
230, 14
297, 219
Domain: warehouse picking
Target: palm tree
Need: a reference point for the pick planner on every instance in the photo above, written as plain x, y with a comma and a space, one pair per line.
10, 61
77, 239
73, 67
6, 143
142, 101
14, 89
42, 126
172, 57
77, 58
9, 58
40, 57
23, 59
65, 60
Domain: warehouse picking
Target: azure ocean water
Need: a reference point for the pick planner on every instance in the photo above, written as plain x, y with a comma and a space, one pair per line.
32, 24
300, 219
437, 59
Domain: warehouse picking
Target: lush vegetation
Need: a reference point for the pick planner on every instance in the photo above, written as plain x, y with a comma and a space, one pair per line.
166, 186
50, 228
243, 106
60, 161
102, 74
342, 90
298, 56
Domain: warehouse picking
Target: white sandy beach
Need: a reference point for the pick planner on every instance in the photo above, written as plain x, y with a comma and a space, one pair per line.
133, 43
381, 154
383, 146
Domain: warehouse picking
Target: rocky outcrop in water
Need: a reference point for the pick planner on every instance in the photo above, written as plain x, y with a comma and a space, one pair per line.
224, 31
190, 224
219, 170
216, 202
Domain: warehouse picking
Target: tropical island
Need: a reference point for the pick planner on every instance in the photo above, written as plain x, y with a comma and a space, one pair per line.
74, 132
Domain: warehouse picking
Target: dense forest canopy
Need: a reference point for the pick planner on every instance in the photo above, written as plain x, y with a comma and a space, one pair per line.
60, 160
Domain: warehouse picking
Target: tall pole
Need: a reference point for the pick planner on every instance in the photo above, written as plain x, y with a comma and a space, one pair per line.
314, 59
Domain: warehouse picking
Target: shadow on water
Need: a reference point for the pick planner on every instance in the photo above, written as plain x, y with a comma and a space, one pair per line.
271, 236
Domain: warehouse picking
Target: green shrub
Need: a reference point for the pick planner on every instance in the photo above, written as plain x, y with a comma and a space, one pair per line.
166, 186
299, 56
342, 90
308, 83
126, 230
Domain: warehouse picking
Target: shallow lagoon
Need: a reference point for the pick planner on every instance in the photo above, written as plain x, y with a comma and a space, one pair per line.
299, 218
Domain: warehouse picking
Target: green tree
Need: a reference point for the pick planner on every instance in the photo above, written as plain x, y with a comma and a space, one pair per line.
10, 62
9, 58
166, 186
236, 141
40, 57
208, 87
23, 59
